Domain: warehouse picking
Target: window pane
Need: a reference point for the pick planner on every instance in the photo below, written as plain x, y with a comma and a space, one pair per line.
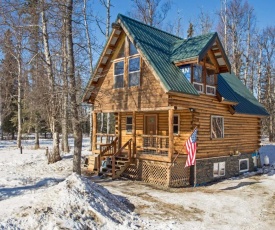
186, 69
129, 128
216, 169
217, 127
222, 168
176, 129
244, 165
133, 49
176, 120
119, 68
210, 77
121, 51
119, 81
134, 64
129, 120
134, 79
197, 73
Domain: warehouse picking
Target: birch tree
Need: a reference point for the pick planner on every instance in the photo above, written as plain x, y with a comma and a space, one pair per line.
52, 109
151, 12
77, 132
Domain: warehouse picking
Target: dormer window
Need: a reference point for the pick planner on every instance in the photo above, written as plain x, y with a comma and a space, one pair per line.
203, 79
198, 78
210, 82
186, 69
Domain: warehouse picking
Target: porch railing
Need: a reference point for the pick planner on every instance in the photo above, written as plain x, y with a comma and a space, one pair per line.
153, 144
104, 138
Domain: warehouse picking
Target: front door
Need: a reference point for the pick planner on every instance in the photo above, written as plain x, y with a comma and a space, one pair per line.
150, 125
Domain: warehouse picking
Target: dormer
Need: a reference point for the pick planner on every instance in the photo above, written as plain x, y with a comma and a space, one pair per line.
201, 59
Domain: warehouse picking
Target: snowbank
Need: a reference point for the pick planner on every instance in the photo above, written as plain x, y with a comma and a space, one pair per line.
76, 203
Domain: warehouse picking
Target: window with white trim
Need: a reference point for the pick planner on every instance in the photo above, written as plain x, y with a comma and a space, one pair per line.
197, 74
243, 165
217, 127
118, 74
129, 124
134, 71
219, 169
210, 82
176, 124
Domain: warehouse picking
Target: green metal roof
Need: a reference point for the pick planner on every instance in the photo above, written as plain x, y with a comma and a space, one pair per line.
157, 46
232, 89
192, 47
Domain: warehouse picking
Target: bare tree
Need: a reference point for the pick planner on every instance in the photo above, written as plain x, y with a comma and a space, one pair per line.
151, 12
77, 132
205, 22
52, 86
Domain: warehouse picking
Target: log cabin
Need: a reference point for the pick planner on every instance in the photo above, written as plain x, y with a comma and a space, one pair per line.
161, 87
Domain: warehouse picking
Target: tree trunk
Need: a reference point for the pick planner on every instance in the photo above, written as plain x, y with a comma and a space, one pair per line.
49, 71
36, 137
19, 105
77, 132
91, 127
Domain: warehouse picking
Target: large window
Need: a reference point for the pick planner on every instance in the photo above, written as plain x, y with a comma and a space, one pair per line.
118, 74
134, 71
219, 169
176, 124
129, 124
217, 127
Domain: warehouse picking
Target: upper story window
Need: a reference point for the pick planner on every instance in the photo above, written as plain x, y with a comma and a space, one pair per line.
210, 82
198, 78
118, 74
121, 52
132, 49
203, 79
134, 71
186, 69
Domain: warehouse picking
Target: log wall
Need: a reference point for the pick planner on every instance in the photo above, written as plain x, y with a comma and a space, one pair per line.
241, 133
150, 93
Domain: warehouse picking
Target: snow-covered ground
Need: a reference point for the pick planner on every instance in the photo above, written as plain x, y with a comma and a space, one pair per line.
35, 195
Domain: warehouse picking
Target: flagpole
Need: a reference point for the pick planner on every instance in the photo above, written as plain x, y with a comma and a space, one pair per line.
195, 166
195, 174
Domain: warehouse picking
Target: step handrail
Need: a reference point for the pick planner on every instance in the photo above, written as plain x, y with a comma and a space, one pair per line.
111, 145
128, 143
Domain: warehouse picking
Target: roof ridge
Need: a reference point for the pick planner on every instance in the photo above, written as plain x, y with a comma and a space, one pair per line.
121, 15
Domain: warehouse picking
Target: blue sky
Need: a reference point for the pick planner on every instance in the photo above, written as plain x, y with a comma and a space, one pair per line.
264, 9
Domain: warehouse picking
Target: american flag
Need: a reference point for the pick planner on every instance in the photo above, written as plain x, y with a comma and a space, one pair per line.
191, 147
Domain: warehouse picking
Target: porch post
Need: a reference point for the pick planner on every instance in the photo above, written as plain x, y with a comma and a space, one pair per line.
134, 133
119, 129
171, 133
94, 132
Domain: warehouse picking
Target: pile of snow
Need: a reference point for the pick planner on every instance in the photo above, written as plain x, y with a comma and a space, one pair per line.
76, 203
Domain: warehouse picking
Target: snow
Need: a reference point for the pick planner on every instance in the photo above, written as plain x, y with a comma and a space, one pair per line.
35, 195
